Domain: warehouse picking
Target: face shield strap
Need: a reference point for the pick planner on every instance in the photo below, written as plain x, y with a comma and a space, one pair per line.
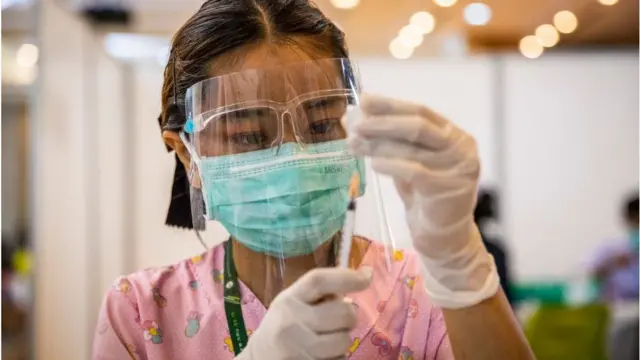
197, 195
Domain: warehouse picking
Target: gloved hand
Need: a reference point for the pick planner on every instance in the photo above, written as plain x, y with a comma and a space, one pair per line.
311, 319
435, 167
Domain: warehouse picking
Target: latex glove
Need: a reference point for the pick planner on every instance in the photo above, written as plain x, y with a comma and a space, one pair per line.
435, 168
311, 319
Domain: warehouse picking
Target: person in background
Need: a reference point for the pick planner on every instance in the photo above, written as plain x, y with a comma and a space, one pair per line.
7, 253
615, 272
615, 268
486, 216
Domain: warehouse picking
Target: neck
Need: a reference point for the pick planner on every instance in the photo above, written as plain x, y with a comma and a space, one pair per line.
266, 275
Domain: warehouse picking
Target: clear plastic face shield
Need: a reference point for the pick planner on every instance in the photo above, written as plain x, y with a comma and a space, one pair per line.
270, 163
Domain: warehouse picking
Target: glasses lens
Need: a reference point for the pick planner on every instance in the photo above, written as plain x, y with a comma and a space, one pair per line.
317, 120
238, 131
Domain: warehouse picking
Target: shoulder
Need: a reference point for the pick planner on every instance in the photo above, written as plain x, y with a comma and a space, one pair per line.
144, 308
152, 286
611, 248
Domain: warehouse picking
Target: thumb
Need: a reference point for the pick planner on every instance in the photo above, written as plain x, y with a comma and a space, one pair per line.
322, 282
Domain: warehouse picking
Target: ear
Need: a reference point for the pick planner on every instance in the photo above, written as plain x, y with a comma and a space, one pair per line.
173, 140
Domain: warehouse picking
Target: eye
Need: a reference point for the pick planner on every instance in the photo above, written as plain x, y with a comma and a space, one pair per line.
323, 126
248, 139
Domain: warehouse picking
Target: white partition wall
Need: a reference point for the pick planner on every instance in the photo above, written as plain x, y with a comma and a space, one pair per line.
111, 166
571, 156
76, 164
60, 189
156, 244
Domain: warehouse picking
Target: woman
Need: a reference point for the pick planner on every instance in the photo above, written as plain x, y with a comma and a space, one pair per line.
250, 83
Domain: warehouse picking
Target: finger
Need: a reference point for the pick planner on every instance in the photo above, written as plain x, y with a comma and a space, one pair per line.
380, 105
357, 122
321, 282
388, 148
425, 180
441, 192
331, 316
410, 128
330, 346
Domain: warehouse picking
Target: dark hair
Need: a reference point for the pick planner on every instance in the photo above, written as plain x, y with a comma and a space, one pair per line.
485, 206
218, 28
631, 210
222, 26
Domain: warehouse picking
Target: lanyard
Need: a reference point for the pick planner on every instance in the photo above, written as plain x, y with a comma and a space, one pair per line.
232, 307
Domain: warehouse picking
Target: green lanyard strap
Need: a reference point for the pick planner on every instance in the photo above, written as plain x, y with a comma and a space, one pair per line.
232, 307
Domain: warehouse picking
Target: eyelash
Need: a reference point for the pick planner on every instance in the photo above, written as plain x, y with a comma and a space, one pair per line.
238, 138
331, 123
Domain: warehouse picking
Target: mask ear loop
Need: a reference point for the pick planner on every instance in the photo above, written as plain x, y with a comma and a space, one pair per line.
187, 126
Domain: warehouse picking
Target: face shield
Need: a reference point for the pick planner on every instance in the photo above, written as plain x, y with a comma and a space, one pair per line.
269, 162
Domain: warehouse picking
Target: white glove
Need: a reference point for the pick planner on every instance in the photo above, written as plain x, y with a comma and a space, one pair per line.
311, 319
435, 168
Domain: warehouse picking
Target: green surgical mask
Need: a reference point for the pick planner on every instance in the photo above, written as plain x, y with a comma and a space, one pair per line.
285, 204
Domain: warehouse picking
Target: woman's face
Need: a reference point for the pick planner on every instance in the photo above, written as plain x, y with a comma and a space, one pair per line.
270, 78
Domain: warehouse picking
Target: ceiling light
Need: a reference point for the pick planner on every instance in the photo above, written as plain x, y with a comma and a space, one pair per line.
565, 21
410, 36
608, 2
399, 50
530, 47
345, 4
27, 55
477, 14
547, 35
445, 3
423, 21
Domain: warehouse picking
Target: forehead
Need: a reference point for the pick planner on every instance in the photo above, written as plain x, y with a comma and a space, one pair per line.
262, 56
270, 72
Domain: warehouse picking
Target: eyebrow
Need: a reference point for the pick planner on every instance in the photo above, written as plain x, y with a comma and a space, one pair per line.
317, 103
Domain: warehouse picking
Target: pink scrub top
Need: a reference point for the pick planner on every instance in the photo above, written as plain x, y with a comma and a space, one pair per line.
177, 312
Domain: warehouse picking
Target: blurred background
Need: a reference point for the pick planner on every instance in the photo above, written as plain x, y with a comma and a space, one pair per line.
548, 88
